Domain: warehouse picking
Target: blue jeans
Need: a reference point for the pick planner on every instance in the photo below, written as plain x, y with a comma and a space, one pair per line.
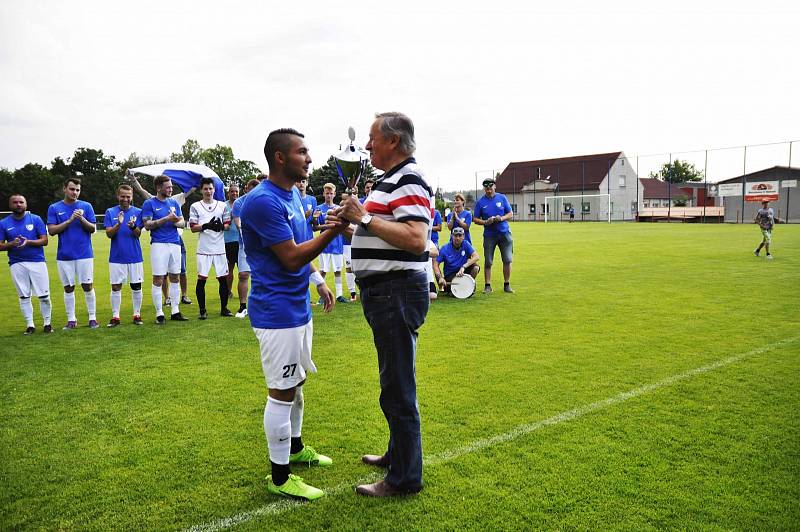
395, 310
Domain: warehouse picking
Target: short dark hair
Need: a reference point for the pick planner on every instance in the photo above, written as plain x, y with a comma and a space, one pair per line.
160, 180
279, 140
253, 183
14, 195
69, 180
206, 181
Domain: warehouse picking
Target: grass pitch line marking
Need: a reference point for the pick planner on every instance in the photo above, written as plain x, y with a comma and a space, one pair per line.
477, 445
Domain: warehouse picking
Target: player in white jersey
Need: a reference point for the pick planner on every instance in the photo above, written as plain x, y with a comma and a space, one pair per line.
210, 217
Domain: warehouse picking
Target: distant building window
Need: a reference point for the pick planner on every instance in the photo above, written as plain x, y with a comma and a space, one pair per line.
634, 206
623, 162
532, 208
567, 207
586, 207
622, 181
514, 208
545, 208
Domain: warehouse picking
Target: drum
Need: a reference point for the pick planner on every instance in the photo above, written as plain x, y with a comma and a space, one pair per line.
462, 287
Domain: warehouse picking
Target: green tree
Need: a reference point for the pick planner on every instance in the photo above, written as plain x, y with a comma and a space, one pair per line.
678, 172
191, 152
99, 175
220, 158
39, 185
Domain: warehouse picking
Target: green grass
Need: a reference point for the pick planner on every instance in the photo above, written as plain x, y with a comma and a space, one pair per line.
161, 427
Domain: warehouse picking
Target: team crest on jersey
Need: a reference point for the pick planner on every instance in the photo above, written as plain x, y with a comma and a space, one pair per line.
29, 227
499, 204
463, 253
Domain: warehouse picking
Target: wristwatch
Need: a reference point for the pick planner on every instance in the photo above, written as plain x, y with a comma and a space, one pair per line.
365, 220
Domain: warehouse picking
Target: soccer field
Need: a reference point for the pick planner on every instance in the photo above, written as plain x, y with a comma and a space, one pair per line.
643, 376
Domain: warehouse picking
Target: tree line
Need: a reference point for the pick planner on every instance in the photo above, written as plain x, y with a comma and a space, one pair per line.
100, 174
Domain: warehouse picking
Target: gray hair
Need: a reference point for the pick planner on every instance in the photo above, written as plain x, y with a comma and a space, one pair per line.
400, 125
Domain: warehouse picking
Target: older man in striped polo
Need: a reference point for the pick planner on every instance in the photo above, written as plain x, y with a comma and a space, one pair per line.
389, 257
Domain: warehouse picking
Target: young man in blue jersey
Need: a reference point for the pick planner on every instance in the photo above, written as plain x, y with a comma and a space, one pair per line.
162, 217
458, 257
280, 249
493, 211
244, 268
73, 221
24, 236
332, 257
123, 225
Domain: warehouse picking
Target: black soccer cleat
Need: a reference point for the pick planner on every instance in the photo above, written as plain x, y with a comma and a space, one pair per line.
178, 317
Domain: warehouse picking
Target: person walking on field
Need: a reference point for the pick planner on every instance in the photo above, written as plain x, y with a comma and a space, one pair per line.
765, 218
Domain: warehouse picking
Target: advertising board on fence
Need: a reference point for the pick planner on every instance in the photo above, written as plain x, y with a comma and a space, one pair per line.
761, 191
729, 189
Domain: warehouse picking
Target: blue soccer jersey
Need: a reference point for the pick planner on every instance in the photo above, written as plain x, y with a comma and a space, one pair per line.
279, 298
454, 258
236, 212
309, 202
437, 220
336, 247
155, 209
465, 217
74, 243
487, 207
31, 227
125, 246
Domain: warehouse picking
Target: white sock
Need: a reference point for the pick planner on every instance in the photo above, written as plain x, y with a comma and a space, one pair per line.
277, 428
69, 303
175, 297
27, 310
91, 304
116, 302
156, 291
296, 416
351, 282
47, 309
337, 281
137, 297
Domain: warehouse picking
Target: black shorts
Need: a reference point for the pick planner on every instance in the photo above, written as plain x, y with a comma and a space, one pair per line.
232, 252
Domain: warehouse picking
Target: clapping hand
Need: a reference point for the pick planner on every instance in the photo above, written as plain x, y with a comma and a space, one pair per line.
21, 241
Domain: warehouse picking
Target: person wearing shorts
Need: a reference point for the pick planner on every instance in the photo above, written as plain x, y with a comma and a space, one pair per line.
458, 257
123, 225
280, 249
231, 235
210, 218
493, 211
23, 235
244, 268
162, 217
765, 218
332, 257
73, 221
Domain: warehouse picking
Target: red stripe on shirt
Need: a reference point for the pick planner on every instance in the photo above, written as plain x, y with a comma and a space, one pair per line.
410, 200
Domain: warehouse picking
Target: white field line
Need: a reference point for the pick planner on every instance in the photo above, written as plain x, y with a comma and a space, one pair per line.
477, 445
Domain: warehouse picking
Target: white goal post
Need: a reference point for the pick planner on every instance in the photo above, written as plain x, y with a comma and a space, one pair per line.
559, 200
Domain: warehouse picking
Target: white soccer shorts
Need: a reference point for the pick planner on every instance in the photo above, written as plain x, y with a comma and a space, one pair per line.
286, 355
81, 270
165, 258
121, 273
330, 262
347, 254
31, 277
204, 263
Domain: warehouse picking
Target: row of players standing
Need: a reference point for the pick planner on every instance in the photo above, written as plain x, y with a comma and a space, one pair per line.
23, 235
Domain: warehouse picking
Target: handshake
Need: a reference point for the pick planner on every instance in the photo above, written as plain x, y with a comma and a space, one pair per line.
214, 225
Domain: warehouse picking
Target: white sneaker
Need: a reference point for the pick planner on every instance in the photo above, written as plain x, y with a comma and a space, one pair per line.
242, 314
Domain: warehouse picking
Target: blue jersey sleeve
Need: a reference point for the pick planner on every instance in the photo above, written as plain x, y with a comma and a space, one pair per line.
109, 215
278, 229
51, 215
147, 210
38, 226
88, 213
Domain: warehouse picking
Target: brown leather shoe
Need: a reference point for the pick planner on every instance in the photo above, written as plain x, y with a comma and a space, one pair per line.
376, 460
382, 489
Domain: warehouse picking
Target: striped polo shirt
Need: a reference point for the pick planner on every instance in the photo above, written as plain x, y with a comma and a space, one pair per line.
400, 195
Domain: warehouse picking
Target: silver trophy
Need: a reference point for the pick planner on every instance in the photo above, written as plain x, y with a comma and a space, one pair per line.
351, 164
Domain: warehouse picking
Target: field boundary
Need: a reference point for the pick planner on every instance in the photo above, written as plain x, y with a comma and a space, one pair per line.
517, 432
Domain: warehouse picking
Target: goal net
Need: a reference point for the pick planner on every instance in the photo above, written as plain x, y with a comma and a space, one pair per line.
557, 208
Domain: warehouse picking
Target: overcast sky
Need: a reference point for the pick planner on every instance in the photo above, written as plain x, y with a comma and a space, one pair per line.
485, 83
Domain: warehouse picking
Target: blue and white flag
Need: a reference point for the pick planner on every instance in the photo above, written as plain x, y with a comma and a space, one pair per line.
185, 175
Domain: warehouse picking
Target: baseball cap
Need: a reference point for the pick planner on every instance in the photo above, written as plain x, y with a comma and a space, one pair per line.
488, 182
458, 231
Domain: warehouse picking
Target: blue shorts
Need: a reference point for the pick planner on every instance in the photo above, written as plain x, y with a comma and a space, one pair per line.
506, 244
